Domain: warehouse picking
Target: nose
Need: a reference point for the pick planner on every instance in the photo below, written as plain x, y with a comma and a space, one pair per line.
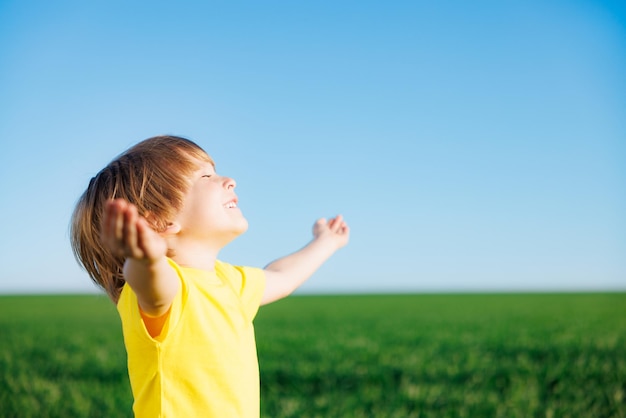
229, 183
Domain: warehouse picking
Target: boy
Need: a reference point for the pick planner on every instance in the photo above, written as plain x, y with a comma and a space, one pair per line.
148, 230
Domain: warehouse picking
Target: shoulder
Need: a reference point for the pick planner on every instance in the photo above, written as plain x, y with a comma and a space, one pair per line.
238, 273
247, 282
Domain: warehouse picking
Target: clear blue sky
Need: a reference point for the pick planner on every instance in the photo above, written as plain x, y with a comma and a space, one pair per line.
472, 146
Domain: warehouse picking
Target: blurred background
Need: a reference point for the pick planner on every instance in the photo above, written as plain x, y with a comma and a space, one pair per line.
471, 146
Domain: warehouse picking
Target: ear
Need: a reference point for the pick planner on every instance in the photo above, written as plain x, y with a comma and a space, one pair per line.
172, 228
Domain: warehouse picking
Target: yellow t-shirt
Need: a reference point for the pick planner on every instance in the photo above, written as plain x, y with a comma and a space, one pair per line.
204, 362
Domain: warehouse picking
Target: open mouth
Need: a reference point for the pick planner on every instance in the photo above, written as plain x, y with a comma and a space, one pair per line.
231, 205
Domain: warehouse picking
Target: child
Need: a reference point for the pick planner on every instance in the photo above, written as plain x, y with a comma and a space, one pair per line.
148, 230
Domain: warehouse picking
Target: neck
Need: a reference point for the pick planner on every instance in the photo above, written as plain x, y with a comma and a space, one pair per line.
196, 256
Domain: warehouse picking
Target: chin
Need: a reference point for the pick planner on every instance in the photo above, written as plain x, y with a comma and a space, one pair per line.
242, 227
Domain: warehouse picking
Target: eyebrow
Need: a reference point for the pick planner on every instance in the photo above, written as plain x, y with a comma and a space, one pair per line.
207, 170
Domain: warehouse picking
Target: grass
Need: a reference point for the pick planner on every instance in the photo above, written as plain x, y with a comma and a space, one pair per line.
517, 355
62, 356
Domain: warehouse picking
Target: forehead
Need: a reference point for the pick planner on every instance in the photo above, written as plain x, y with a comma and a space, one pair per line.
205, 165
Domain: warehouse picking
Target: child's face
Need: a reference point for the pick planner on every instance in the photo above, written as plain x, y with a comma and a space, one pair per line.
210, 213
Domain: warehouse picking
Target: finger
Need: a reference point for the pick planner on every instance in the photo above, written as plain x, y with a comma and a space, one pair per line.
109, 223
141, 232
118, 226
131, 249
340, 226
145, 238
319, 224
335, 223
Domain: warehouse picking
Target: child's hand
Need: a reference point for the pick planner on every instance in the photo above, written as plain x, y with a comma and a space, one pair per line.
127, 234
336, 229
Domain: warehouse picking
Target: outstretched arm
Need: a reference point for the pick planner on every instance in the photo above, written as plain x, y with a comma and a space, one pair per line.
286, 274
146, 269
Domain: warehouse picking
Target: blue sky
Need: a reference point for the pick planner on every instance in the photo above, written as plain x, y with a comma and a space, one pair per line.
471, 146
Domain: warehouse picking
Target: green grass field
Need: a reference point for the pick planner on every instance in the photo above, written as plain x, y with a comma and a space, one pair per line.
518, 355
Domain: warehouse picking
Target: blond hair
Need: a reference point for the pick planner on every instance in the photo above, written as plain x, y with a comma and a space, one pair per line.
152, 175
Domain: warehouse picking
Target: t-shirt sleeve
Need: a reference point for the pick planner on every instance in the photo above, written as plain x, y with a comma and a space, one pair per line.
130, 313
248, 283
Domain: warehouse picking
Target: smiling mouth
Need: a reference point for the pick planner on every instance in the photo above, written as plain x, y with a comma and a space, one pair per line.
231, 205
